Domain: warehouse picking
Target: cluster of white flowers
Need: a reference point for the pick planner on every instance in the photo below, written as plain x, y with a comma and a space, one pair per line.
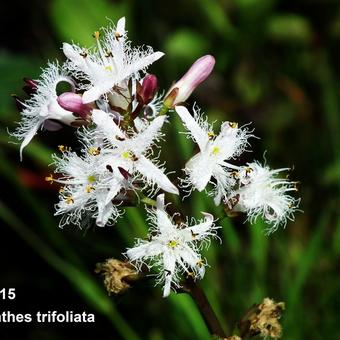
119, 116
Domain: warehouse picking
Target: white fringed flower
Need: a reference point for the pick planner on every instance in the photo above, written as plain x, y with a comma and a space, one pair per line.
216, 151
262, 193
43, 106
86, 181
113, 61
173, 249
131, 152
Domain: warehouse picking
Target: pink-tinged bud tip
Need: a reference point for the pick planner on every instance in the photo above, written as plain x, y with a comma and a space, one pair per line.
30, 86
73, 102
198, 72
147, 90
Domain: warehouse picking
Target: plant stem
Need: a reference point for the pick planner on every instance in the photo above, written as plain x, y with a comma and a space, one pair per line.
204, 307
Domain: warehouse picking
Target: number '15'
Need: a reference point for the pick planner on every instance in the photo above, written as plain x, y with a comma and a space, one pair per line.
7, 293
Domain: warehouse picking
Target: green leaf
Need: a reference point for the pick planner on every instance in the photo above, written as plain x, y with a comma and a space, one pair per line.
77, 20
186, 44
289, 28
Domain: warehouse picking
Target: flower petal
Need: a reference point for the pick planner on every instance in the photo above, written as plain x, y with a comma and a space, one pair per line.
106, 124
169, 262
29, 136
144, 250
164, 223
200, 168
199, 135
144, 139
197, 231
104, 210
155, 175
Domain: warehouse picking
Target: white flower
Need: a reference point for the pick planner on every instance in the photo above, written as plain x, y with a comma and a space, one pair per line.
86, 181
262, 193
43, 106
215, 152
130, 152
112, 62
172, 248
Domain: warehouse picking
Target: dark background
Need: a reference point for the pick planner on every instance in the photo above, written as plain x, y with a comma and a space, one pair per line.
277, 65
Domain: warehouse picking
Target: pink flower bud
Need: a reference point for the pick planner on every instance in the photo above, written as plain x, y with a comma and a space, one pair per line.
147, 90
73, 102
198, 72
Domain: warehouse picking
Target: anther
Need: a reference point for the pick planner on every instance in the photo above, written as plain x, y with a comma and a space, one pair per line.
49, 179
109, 54
69, 200
211, 134
94, 151
233, 125
96, 35
89, 188
118, 36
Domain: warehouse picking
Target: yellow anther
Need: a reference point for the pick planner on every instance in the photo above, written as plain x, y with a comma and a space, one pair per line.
93, 151
233, 125
200, 263
108, 68
63, 148
117, 36
211, 134
96, 35
69, 200
89, 188
172, 244
108, 54
248, 170
61, 190
234, 174
215, 150
49, 178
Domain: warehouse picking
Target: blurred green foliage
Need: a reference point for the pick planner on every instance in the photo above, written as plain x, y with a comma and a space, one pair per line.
277, 65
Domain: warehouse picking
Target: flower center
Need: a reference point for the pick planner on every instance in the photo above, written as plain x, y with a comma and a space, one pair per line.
172, 244
91, 179
215, 150
127, 155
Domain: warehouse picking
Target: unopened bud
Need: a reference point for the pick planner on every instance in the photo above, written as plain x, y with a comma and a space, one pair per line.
198, 72
30, 87
147, 90
73, 102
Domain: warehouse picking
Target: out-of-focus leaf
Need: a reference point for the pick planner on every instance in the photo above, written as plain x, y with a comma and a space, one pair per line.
77, 20
249, 85
186, 44
12, 69
188, 310
289, 28
307, 260
217, 17
254, 8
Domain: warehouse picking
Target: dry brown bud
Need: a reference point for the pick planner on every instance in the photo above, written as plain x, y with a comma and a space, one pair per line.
118, 275
263, 319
